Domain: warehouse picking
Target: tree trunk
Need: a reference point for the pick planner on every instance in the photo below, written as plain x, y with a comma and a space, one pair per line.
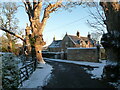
37, 39
10, 45
38, 49
111, 40
9, 42
27, 40
39, 43
112, 48
37, 25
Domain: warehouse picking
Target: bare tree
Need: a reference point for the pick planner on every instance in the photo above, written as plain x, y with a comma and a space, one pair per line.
16, 35
37, 22
111, 40
9, 21
97, 17
96, 35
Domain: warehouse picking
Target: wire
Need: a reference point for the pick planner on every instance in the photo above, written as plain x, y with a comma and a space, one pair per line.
62, 26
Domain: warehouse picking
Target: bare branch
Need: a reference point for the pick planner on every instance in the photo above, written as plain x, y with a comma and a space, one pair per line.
100, 14
50, 8
11, 33
29, 4
27, 9
34, 4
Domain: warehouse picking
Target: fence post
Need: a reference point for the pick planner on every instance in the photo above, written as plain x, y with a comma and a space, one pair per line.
33, 57
20, 78
26, 71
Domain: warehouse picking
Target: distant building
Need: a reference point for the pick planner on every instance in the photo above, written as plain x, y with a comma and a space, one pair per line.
71, 41
55, 46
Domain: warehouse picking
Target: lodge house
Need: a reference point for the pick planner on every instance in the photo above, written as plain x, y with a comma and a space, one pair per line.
71, 41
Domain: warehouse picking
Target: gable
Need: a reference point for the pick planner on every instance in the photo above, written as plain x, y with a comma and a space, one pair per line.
68, 40
71, 41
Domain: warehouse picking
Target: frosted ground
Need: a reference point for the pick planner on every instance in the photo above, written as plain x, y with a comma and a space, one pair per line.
43, 72
41, 76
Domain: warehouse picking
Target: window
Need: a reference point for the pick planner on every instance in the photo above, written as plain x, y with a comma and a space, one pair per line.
86, 42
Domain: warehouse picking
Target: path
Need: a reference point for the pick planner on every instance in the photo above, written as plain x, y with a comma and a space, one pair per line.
71, 76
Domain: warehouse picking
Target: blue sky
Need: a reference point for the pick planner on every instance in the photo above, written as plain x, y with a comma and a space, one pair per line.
61, 22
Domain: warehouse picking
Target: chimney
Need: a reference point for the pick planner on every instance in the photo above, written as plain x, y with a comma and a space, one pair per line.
66, 34
54, 38
78, 34
89, 36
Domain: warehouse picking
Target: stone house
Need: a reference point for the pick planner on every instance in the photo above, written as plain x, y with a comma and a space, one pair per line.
71, 41
55, 46
76, 47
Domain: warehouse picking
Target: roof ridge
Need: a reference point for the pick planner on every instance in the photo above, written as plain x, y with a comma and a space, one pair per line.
58, 40
72, 39
78, 37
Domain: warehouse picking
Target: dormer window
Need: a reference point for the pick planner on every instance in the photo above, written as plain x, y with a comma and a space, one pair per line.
78, 41
81, 42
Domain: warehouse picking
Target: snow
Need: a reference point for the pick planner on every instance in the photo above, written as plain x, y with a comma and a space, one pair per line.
5, 53
39, 77
113, 63
83, 48
90, 64
116, 84
55, 43
96, 72
52, 52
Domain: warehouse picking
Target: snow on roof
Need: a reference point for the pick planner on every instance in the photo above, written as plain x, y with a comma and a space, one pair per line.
55, 43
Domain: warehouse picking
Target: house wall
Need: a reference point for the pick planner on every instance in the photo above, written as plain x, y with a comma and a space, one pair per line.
82, 54
55, 49
66, 42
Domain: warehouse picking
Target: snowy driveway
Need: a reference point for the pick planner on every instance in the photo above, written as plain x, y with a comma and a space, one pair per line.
66, 75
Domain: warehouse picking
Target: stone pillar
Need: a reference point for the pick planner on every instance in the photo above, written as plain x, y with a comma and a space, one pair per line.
98, 52
62, 54
56, 56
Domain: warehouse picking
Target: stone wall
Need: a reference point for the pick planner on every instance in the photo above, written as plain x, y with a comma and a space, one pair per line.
55, 49
82, 54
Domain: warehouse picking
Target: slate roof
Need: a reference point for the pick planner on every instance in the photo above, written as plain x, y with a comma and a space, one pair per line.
55, 43
76, 40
